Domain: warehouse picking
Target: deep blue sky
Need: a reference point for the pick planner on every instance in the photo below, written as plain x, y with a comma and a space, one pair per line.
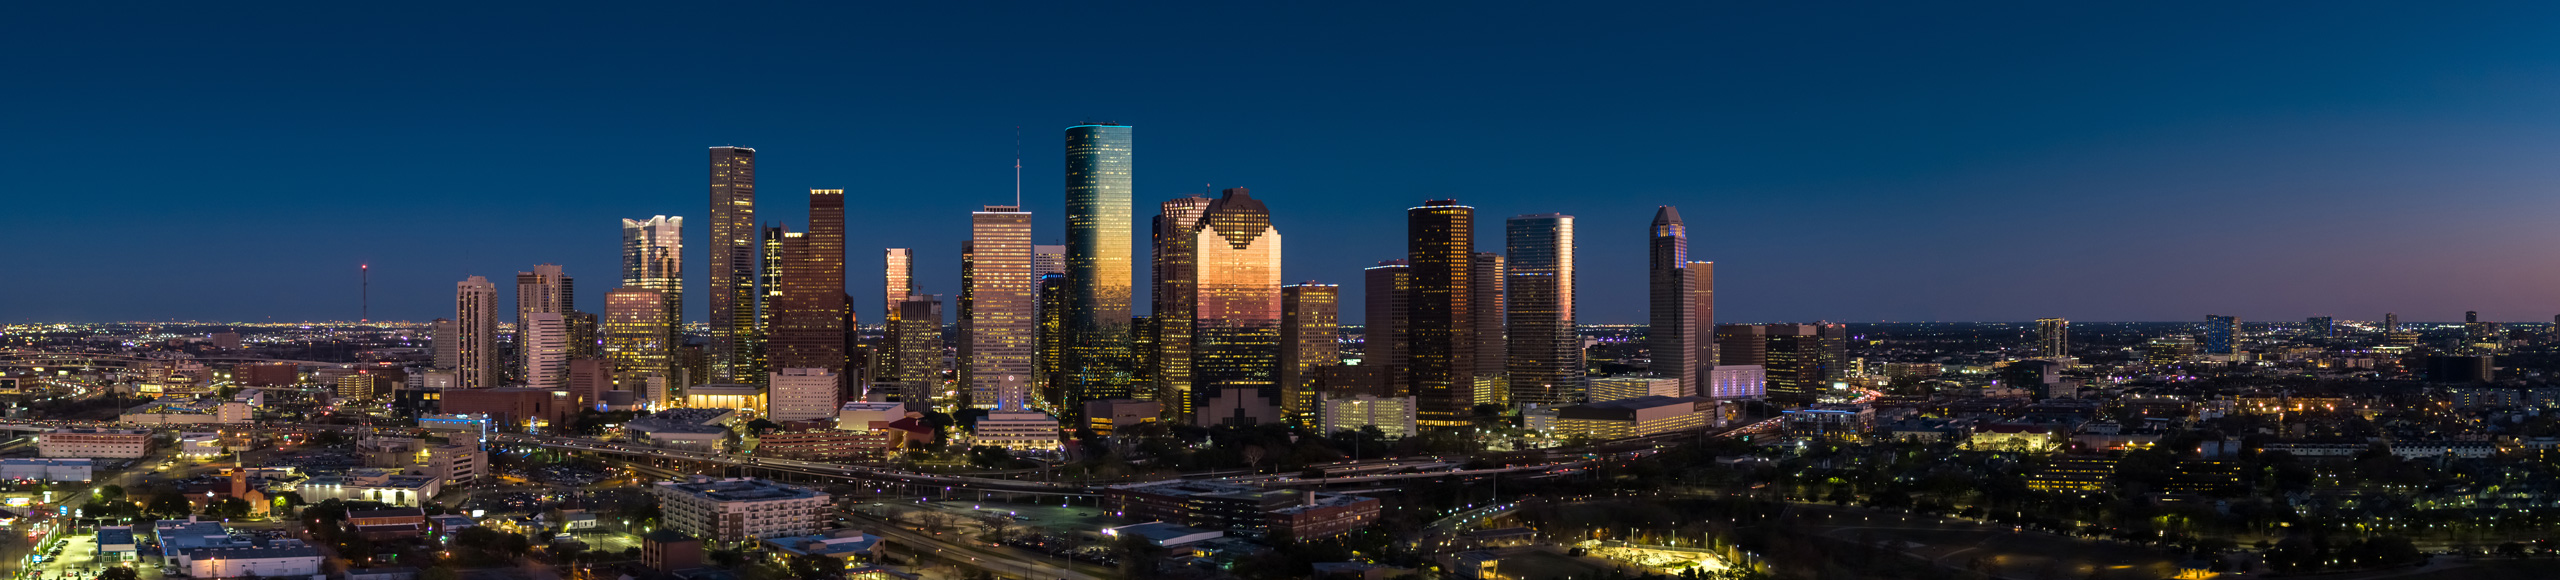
1885, 161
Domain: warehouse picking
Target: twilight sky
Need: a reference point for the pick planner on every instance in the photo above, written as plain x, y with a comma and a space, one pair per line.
1897, 161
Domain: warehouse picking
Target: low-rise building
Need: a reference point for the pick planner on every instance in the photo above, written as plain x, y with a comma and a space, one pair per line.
1017, 431
1394, 416
457, 464
47, 470
1277, 513
847, 546
2008, 437
728, 511
827, 445
2074, 475
688, 429
95, 443
1107, 415
273, 561
749, 400
1637, 417
869, 415
388, 524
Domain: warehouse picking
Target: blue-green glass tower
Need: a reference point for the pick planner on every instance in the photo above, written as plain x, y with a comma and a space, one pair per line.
1099, 273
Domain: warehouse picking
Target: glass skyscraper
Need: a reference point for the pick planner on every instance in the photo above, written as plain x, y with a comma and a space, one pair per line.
1545, 359
1175, 295
1100, 164
1001, 308
1673, 337
1235, 321
1440, 341
809, 313
732, 346
2221, 333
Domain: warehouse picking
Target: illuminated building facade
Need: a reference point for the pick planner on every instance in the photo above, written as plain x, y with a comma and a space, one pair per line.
1440, 339
653, 259
1000, 311
919, 348
1387, 287
2221, 333
1492, 344
1175, 298
1310, 322
475, 324
1674, 338
808, 328
544, 290
544, 340
635, 338
1099, 170
1235, 315
733, 311
1545, 361
2053, 337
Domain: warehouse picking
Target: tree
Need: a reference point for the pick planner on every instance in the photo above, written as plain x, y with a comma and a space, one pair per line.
1137, 557
761, 425
169, 505
120, 573
229, 507
444, 573
111, 493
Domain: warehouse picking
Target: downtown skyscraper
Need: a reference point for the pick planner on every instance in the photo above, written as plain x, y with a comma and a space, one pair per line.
1175, 296
1000, 315
1385, 291
475, 325
1310, 321
1492, 343
1681, 334
733, 343
635, 339
1440, 339
1235, 290
1100, 167
1545, 360
653, 260
809, 313
543, 345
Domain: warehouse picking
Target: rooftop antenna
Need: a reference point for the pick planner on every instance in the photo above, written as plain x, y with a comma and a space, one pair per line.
364, 275
1017, 168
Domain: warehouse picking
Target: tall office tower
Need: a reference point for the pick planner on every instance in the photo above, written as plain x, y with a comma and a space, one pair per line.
1742, 344
1235, 318
543, 290
1001, 303
732, 349
2320, 326
809, 324
2470, 317
653, 259
1491, 342
635, 339
1100, 165
968, 269
1702, 316
1174, 298
1386, 290
901, 278
475, 320
1673, 337
1046, 260
448, 343
1545, 360
1440, 339
2390, 322
545, 344
2053, 337
585, 341
2221, 333
1802, 360
919, 335
1310, 321
1049, 368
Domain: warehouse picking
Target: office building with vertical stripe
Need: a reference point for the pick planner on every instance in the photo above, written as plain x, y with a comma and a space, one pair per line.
1310, 319
1099, 170
809, 320
732, 344
475, 322
653, 259
1001, 309
1492, 345
1673, 337
636, 341
1545, 359
545, 290
1174, 296
1386, 288
1440, 341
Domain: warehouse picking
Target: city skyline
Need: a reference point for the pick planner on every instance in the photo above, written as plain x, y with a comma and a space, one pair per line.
2392, 156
